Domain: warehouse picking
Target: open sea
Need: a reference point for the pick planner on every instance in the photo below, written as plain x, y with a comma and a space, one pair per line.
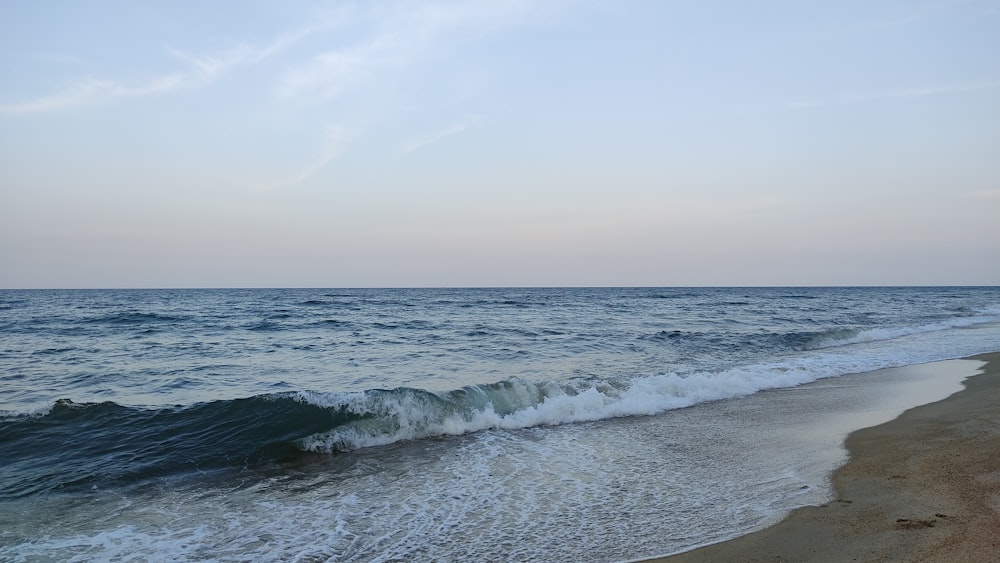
595, 424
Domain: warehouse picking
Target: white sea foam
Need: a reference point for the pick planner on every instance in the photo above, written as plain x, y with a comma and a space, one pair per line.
33, 412
847, 337
577, 492
408, 414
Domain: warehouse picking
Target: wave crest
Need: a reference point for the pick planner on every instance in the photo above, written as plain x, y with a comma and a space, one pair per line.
846, 336
385, 417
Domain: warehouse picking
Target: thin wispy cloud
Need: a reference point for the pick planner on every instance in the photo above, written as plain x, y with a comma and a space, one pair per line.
337, 140
396, 38
209, 67
359, 80
896, 94
93, 91
327, 75
398, 35
435, 136
201, 69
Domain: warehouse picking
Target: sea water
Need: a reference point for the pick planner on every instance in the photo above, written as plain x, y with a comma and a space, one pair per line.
593, 424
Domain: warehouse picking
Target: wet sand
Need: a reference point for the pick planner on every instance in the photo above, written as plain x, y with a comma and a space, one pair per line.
922, 487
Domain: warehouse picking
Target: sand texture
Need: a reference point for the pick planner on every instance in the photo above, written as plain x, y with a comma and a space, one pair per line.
923, 487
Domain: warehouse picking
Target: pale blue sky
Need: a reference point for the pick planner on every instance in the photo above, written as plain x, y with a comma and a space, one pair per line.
564, 142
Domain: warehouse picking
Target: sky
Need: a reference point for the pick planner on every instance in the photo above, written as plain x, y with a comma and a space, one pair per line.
499, 143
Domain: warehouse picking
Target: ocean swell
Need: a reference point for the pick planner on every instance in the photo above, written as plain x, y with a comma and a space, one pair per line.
845, 336
76, 446
385, 417
86, 445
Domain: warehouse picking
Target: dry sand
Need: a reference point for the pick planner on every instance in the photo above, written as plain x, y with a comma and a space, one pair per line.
923, 487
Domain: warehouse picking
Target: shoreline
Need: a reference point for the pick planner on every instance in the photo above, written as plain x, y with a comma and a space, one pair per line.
924, 486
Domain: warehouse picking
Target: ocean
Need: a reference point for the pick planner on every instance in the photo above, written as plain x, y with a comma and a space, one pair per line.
577, 424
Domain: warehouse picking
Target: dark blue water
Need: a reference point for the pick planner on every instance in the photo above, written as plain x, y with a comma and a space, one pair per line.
123, 400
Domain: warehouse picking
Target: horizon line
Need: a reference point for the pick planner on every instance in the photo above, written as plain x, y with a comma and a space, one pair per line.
441, 287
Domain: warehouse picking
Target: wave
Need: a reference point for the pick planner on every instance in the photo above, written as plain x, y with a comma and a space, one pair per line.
132, 318
664, 335
386, 417
845, 336
812, 340
77, 446
84, 445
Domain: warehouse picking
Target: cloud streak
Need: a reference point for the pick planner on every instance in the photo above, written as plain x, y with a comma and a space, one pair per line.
337, 140
435, 136
397, 36
896, 94
399, 33
202, 70
93, 91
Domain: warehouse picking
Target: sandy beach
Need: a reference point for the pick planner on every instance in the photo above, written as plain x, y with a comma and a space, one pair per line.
923, 487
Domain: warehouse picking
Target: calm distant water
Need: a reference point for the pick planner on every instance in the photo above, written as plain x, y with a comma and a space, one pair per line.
378, 425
